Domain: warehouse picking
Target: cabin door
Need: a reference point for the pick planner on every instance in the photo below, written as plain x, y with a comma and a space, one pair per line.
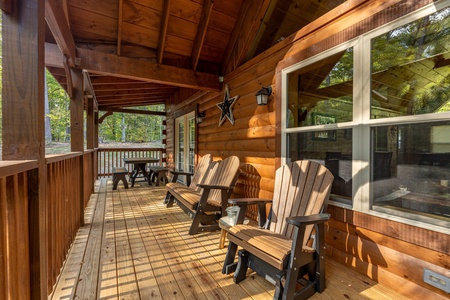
185, 143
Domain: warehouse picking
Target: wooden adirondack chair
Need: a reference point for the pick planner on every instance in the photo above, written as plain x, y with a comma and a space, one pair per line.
208, 205
282, 252
192, 179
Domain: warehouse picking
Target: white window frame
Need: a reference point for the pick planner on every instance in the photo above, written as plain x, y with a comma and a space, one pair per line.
184, 119
361, 123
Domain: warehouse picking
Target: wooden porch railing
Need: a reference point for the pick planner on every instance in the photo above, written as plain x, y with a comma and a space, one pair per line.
69, 184
113, 157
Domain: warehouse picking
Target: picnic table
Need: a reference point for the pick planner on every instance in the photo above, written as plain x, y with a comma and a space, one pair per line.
139, 165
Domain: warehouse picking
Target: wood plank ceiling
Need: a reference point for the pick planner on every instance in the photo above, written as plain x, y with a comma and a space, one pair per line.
143, 52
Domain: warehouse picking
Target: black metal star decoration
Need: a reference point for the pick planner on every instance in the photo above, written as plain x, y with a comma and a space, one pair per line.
227, 107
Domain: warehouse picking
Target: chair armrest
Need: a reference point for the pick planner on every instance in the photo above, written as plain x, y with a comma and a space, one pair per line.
248, 201
308, 220
213, 187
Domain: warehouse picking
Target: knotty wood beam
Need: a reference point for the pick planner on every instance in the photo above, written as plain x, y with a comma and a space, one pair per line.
53, 56
90, 115
136, 111
163, 31
70, 86
102, 118
201, 32
57, 22
6, 6
245, 31
109, 64
87, 85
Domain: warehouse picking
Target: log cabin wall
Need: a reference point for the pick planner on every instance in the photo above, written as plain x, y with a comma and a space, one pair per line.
390, 252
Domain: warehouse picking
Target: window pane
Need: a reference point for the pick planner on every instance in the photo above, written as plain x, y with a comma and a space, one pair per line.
191, 144
324, 87
411, 169
331, 148
410, 68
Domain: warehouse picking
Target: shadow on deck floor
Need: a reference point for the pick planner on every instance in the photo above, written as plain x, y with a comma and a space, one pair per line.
133, 247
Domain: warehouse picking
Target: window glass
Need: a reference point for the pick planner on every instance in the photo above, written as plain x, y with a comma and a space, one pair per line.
191, 155
411, 168
332, 148
321, 93
411, 68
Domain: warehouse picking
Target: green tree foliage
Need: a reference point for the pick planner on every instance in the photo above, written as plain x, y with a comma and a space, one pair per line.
59, 114
139, 128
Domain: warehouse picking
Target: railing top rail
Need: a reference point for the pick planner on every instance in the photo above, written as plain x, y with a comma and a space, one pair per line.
128, 149
11, 167
52, 158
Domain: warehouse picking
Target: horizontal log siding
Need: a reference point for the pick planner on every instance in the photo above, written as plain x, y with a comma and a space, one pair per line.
14, 237
387, 251
63, 217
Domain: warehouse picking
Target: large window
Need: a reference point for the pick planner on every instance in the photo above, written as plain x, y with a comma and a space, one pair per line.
376, 112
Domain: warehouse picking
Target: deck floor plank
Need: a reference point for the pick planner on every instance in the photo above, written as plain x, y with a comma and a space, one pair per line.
133, 247
181, 259
107, 282
90, 264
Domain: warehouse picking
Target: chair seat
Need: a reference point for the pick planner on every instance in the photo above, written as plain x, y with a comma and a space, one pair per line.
274, 247
190, 198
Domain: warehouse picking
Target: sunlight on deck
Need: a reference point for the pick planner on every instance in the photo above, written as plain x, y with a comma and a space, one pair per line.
133, 247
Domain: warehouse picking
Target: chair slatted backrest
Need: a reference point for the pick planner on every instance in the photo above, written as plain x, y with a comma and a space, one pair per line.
302, 188
226, 174
200, 171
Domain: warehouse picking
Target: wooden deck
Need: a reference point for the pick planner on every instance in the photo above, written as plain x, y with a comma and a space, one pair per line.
132, 247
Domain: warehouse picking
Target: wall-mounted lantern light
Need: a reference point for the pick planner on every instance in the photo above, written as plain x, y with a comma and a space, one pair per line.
263, 95
199, 117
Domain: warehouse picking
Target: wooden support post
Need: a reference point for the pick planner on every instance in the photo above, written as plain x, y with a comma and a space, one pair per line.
23, 132
90, 144
76, 111
77, 127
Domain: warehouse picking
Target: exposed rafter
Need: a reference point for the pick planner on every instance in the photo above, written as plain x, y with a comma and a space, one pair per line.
163, 30
57, 22
246, 29
201, 32
114, 65
137, 111
119, 27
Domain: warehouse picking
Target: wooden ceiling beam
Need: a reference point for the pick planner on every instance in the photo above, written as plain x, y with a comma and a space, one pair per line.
201, 32
131, 87
53, 56
6, 6
163, 30
57, 22
143, 93
244, 33
125, 98
138, 111
122, 104
113, 65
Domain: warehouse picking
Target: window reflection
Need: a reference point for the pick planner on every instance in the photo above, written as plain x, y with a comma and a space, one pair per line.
411, 168
411, 68
335, 153
324, 88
